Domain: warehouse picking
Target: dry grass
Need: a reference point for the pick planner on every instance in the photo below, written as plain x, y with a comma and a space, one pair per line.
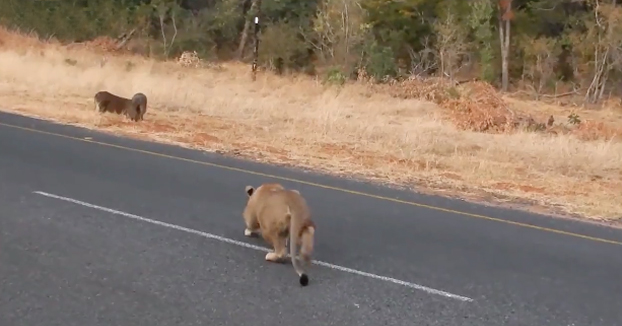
351, 130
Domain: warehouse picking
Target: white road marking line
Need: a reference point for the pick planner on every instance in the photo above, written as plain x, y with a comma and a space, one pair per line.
248, 245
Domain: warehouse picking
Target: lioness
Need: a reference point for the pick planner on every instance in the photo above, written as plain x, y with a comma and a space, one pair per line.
134, 109
279, 214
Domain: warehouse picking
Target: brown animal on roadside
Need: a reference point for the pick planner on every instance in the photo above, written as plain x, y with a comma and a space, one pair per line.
280, 214
134, 109
550, 122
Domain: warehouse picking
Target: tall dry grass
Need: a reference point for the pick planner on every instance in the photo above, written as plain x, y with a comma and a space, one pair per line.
296, 120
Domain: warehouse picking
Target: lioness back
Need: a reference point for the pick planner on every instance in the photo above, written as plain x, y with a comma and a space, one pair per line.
273, 210
270, 205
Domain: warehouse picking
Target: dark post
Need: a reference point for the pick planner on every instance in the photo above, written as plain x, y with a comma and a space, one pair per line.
256, 33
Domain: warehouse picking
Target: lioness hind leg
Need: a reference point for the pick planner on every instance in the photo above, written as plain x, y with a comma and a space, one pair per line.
280, 249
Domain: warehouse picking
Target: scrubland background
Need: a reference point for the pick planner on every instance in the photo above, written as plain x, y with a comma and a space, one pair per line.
504, 100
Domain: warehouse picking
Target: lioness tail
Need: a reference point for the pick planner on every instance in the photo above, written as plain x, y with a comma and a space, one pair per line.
294, 231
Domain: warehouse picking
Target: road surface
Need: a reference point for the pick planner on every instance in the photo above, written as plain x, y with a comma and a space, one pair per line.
113, 231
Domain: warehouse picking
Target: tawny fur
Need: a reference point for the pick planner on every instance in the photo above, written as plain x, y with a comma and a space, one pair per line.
134, 108
280, 214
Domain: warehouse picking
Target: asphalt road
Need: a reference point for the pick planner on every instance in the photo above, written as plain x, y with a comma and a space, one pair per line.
155, 240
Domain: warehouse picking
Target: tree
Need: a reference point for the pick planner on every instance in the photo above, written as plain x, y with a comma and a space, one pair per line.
254, 11
505, 17
479, 22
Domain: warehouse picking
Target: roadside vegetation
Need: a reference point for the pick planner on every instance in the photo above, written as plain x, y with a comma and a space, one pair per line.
511, 100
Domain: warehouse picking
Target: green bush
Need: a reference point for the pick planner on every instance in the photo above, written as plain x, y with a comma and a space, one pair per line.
379, 61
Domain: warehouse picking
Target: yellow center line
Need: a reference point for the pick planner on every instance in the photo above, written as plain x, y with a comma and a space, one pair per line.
230, 168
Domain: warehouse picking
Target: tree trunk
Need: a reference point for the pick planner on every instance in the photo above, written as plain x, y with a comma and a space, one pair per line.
504, 39
244, 35
505, 73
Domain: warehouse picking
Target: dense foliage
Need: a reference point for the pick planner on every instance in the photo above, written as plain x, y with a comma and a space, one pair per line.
543, 46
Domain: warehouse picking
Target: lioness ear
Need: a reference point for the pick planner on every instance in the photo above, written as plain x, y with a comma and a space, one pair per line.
249, 190
296, 191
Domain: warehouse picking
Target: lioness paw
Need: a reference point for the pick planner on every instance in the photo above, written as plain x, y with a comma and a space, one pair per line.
272, 256
248, 232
